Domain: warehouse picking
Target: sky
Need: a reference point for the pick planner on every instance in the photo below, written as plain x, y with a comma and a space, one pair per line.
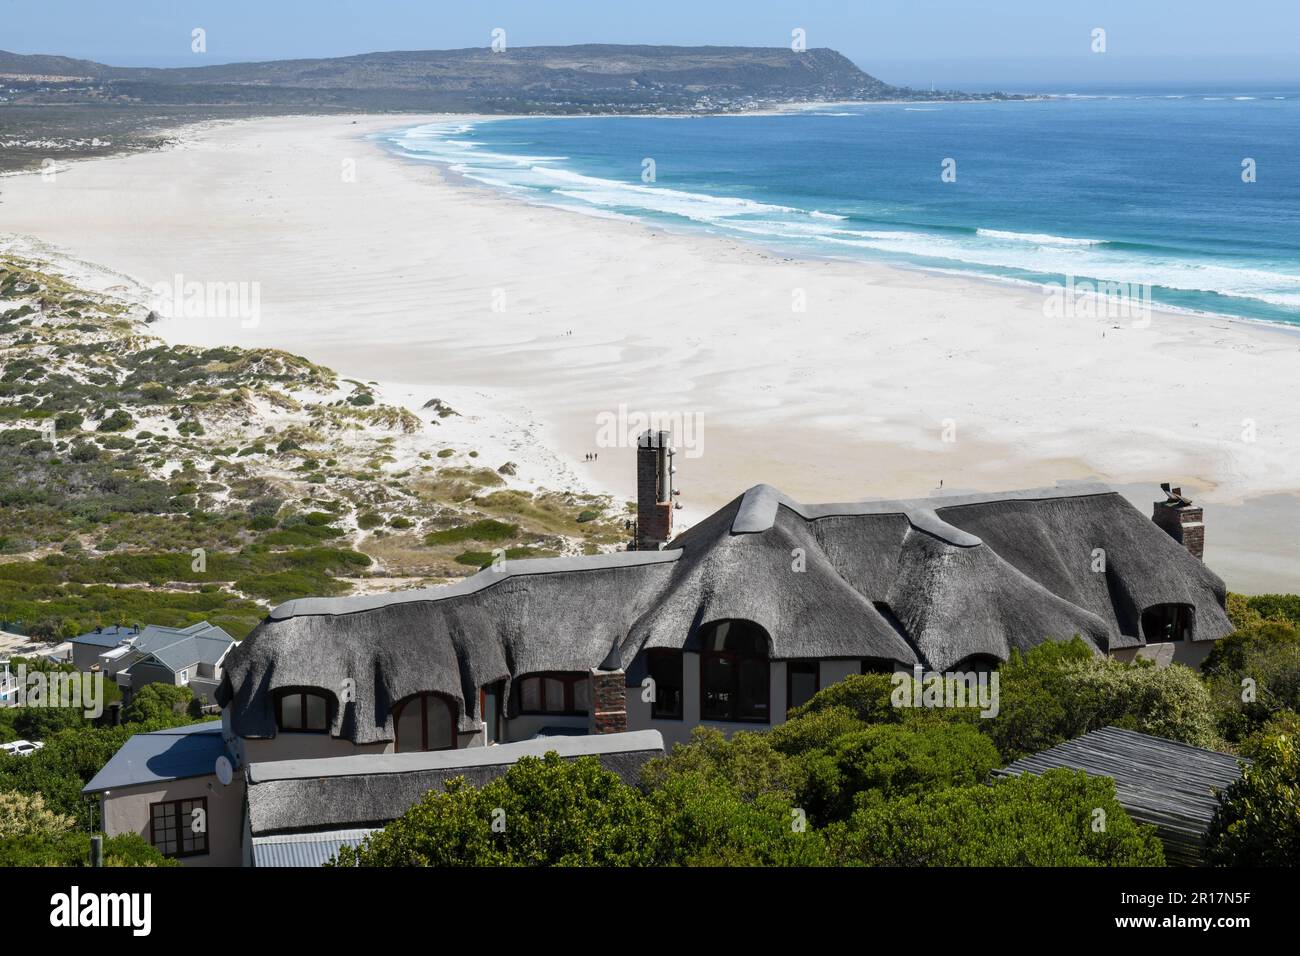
1037, 45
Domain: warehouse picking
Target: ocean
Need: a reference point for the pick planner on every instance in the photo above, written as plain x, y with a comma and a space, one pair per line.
1148, 190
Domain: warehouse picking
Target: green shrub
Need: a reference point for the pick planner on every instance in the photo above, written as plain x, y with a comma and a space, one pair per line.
1051, 820
1257, 822
486, 529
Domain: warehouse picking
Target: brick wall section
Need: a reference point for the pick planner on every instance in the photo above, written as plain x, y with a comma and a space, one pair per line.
654, 518
608, 702
1184, 523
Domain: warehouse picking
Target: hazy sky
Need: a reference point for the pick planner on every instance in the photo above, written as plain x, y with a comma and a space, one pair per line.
969, 43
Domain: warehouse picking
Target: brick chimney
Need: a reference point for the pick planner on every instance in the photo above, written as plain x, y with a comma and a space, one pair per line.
654, 490
608, 696
1181, 520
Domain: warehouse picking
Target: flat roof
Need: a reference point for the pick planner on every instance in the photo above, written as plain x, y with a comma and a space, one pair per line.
172, 754
369, 764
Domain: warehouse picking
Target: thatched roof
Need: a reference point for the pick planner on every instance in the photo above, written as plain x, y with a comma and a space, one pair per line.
934, 581
369, 790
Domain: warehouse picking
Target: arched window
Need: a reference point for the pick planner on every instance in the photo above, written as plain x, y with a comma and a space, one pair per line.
302, 712
735, 683
425, 722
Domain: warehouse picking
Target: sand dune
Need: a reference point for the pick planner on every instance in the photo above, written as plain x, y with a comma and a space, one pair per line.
556, 317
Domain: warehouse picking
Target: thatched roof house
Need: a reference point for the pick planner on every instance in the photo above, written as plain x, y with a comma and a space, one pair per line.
941, 582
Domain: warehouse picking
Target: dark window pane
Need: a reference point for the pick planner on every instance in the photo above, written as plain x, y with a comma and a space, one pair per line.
717, 679
530, 694
666, 671
803, 683
316, 712
753, 690
291, 712
554, 696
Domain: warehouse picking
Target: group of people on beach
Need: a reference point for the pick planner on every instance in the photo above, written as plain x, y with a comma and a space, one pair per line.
591, 456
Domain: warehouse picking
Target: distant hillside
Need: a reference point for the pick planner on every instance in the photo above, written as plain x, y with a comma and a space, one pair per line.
524, 79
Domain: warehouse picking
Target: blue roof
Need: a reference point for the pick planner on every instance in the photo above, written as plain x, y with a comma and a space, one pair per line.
172, 754
107, 637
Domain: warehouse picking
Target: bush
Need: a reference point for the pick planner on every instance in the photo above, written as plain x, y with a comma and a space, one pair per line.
116, 422
1050, 820
486, 529
549, 812
157, 702
1253, 675
370, 520
1257, 822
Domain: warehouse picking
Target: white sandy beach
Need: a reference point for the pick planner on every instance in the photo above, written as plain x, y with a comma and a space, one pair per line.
402, 276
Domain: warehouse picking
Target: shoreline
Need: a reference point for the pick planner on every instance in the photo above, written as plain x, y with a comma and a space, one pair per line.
393, 281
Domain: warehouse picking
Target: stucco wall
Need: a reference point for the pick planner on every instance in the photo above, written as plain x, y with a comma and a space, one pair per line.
126, 810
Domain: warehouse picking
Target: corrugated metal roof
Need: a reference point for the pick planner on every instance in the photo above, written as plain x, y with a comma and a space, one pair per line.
172, 754
1170, 785
304, 849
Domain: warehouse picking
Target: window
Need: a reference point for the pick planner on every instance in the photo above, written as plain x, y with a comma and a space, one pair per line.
734, 677
425, 722
802, 680
665, 666
302, 711
568, 694
179, 827
185, 677
490, 711
877, 665
1167, 622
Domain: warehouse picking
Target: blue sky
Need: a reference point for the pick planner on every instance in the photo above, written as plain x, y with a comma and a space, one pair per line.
1012, 44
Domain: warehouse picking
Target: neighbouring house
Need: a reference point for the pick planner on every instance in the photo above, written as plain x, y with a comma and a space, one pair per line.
135, 657
1172, 786
154, 784
89, 648
729, 624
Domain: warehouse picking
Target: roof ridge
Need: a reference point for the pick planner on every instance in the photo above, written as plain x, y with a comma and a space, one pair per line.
480, 581
759, 504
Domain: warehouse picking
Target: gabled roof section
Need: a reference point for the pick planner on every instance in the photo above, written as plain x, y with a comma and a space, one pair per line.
179, 648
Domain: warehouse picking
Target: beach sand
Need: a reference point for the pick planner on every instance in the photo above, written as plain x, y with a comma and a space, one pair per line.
888, 383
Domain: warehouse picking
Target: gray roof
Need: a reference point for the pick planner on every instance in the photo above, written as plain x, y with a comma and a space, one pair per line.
180, 647
106, 637
372, 789
172, 754
304, 849
933, 581
1170, 785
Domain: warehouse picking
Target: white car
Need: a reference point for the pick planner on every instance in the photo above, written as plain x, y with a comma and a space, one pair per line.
21, 748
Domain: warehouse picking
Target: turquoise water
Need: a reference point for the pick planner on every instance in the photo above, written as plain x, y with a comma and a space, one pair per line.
1144, 189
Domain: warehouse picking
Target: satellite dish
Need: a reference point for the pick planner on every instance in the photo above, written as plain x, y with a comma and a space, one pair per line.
225, 772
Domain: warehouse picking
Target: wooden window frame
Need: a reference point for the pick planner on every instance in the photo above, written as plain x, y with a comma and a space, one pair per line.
302, 703
737, 658
790, 667
568, 678
499, 736
182, 826
423, 698
663, 653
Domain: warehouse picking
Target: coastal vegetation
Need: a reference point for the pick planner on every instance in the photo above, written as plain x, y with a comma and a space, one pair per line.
145, 483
